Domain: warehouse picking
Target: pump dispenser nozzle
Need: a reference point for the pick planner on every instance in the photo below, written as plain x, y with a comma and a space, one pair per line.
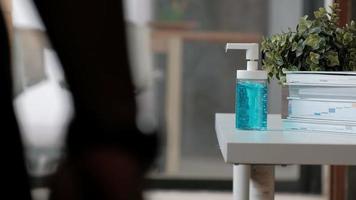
252, 53
252, 49
252, 56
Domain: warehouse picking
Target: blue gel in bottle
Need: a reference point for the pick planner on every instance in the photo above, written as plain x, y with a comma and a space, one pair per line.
251, 104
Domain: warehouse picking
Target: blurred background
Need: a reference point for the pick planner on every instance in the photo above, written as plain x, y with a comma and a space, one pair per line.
194, 78
183, 77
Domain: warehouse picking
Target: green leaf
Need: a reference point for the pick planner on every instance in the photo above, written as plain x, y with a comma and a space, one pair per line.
279, 60
315, 30
294, 46
304, 24
292, 36
314, 67
300, 48
347, 38
313, 58
332, 58
293, 68
313, 41
320, 13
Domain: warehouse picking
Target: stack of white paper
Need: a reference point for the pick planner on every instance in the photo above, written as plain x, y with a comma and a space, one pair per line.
321, 101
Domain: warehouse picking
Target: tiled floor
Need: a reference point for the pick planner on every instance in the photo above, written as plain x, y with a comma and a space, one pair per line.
41, 194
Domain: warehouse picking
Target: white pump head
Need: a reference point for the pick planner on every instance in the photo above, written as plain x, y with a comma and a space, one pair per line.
252, 49
252, 56
252, 53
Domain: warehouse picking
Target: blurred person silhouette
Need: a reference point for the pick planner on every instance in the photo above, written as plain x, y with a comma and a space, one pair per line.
107, 156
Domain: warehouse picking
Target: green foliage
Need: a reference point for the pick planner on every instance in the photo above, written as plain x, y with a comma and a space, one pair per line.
316, 45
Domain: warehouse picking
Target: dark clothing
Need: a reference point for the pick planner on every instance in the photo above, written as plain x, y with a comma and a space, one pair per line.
89, 37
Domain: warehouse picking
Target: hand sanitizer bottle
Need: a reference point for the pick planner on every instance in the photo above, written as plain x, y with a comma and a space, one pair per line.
251, 90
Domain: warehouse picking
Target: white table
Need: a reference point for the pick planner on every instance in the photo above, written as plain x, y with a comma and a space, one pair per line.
264, 149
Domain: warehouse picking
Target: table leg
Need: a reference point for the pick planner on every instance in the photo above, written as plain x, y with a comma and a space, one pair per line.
254, 182
241, 179
173, 105
262, 182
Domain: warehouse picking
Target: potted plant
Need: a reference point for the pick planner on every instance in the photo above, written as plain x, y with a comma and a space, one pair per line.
317, 44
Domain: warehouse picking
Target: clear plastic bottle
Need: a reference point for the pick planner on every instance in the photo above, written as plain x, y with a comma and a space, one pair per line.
251, 104
251, 90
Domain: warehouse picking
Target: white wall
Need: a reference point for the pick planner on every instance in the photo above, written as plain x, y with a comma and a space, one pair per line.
283, 14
